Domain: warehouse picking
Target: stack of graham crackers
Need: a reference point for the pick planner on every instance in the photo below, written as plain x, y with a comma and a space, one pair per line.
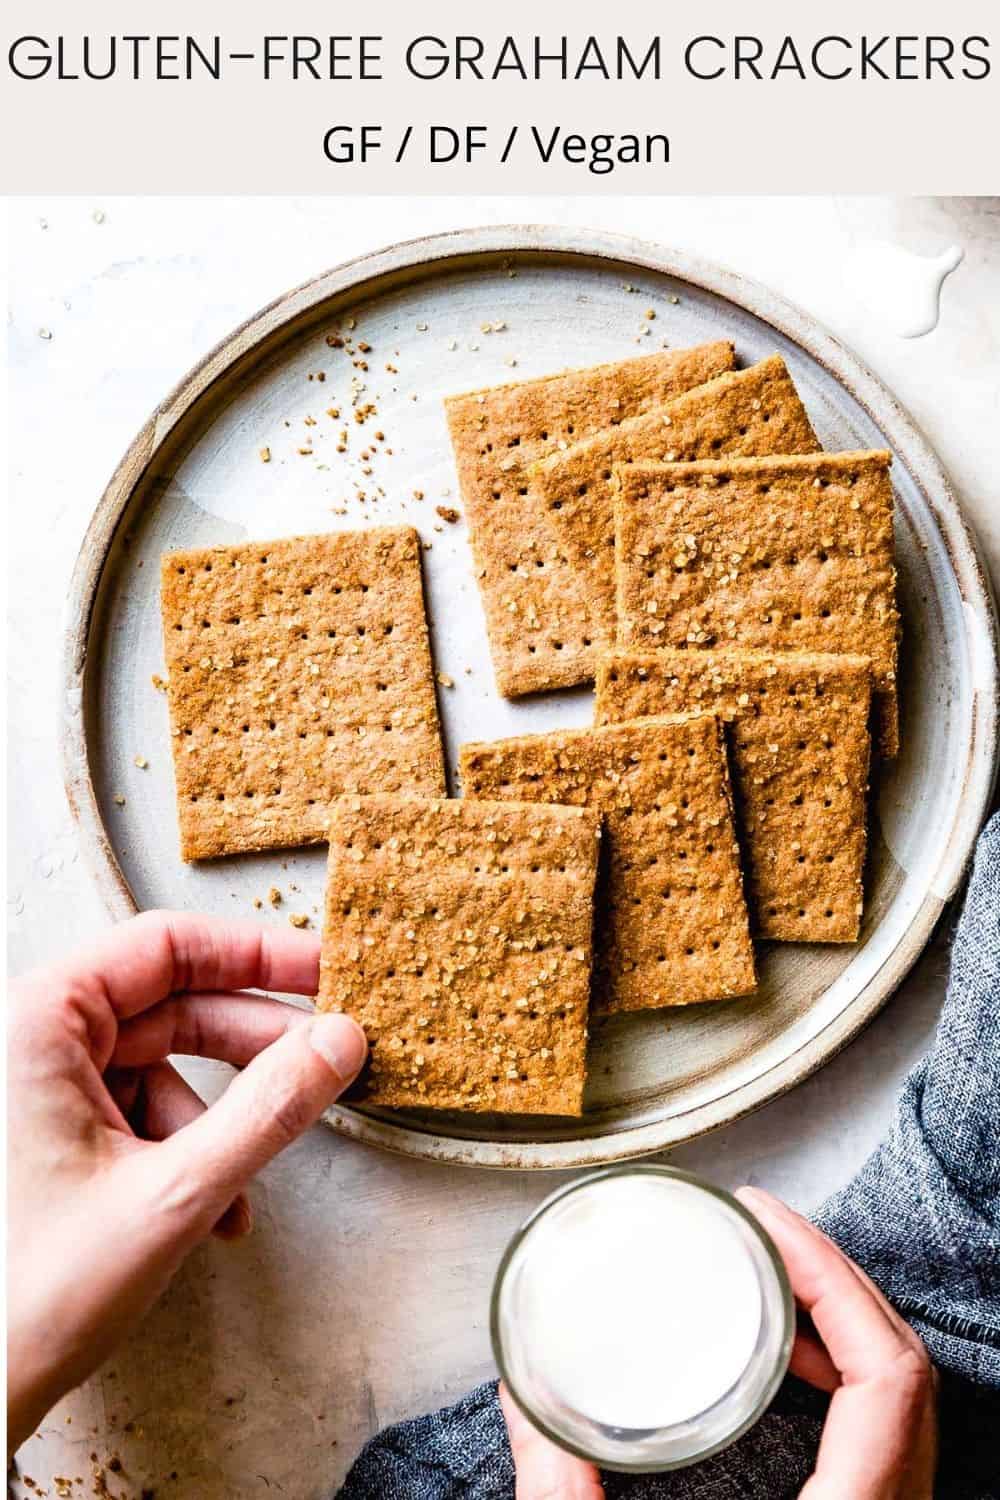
665, 527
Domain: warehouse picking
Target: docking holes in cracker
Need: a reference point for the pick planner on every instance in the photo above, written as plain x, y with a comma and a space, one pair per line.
298, 669
459, 935
778, 554
754, 411
798, 733
538, 610
671, 923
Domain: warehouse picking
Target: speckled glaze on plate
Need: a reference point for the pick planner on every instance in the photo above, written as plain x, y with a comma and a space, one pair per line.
193, 475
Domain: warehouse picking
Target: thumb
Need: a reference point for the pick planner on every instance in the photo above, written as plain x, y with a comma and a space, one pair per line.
543, 1471
267, 1106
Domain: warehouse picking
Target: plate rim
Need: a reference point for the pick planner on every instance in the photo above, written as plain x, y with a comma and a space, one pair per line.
275, 322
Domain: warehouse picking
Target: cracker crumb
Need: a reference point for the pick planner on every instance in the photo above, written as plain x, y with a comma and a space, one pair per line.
448, 513
445, 680
142, 762
299, 919
265, 455
119, 800
160, 683
274, 896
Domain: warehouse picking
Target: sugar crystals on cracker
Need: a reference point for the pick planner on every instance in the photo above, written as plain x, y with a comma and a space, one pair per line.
671, 924
298, 669
537, 607
753, 411
798, 733
791, 553
458, 934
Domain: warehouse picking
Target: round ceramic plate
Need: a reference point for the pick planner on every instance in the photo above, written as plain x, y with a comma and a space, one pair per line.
445, 315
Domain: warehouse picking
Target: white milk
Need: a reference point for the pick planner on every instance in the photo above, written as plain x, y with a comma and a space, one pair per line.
903, 290
637, 1302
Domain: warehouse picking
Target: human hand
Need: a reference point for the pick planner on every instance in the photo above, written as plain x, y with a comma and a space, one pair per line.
116, 1168
542, 1471
880, 1437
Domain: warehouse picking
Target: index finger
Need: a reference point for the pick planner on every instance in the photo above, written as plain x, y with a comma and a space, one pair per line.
862, 1333
159, 953
879, 1435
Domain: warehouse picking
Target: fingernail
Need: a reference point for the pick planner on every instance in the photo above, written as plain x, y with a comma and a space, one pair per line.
751, 1195
341, 1044
745, 1190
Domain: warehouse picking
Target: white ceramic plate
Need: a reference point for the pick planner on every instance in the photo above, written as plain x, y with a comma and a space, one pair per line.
194, 476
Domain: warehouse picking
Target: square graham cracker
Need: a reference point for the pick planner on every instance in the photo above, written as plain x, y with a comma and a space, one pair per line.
799, 746
298, 669
459, 935
671, 922
773, 554
536, 604
743, 412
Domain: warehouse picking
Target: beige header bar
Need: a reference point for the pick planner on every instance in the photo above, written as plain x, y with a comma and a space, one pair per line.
552, 96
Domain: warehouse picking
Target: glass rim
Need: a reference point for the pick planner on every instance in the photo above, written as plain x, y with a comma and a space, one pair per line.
731, 1202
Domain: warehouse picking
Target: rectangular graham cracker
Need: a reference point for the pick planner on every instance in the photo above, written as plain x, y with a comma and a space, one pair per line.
776, 554
459, 935
537, 610
800, 749
671, 923
743, 412
298, 669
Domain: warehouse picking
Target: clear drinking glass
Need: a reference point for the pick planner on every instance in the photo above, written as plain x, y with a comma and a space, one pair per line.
545, 1329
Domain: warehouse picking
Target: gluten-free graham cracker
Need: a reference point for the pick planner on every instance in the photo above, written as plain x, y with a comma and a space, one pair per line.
459, 935
298, 670
671, 921
743, 412
800, 751
536, 604
781, 554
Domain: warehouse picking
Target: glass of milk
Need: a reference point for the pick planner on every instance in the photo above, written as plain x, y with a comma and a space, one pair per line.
642, 1318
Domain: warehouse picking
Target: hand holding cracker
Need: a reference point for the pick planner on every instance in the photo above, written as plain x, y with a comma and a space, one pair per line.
117, 1168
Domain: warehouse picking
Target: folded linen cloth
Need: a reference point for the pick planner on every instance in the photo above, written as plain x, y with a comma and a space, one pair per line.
922, 1217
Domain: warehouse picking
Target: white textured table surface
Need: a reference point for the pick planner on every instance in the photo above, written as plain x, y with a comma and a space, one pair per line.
362, 1296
